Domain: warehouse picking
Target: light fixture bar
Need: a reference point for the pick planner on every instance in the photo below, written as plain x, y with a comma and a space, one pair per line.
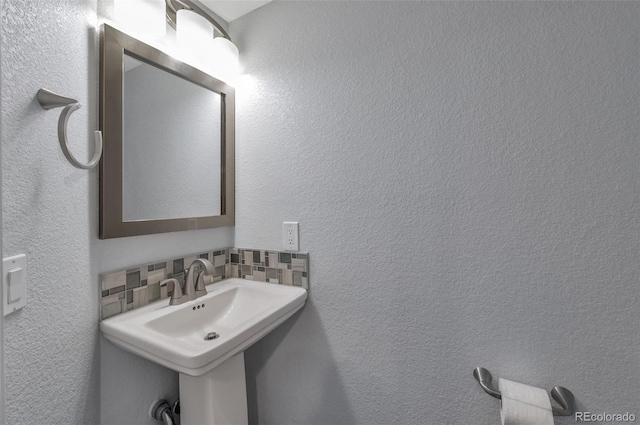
174, 5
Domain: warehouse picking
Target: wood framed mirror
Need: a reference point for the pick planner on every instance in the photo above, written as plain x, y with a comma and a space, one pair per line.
169, 148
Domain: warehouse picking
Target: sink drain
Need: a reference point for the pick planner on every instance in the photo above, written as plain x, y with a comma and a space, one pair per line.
211, 335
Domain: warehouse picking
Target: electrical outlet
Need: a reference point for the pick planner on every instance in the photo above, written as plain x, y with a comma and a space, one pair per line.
290, 240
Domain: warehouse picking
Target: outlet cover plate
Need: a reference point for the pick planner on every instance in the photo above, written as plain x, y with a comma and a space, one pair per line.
290, 240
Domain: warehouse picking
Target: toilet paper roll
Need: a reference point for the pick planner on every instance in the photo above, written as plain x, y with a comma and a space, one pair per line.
524, 405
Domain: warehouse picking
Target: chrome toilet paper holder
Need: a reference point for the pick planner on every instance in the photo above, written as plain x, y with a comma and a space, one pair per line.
561, 395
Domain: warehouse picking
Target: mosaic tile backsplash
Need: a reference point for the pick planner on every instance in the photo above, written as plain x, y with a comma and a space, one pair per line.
138, 286
285, 268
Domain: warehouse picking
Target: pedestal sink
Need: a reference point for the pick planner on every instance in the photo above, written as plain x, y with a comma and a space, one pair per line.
204, 341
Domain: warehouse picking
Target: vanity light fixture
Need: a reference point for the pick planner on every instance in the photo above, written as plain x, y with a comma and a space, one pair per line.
196, 31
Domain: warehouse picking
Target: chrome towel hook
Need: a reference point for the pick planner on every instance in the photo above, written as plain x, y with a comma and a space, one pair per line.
561, 395
50, 100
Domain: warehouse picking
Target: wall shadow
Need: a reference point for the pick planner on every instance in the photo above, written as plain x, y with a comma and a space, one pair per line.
292, 371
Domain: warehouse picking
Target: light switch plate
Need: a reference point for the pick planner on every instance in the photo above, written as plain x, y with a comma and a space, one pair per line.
14, 283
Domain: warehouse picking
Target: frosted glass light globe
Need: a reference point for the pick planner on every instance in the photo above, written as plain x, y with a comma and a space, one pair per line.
225, 59
142, 17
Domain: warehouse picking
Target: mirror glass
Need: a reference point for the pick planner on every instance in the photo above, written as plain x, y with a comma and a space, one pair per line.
171, 138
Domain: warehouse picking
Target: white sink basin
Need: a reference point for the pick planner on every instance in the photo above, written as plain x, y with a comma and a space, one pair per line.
239, 311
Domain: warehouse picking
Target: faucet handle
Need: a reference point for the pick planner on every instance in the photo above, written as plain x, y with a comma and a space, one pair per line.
200, 289
177, 297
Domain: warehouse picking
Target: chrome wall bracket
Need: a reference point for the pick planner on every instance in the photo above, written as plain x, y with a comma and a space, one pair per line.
561, 395
50, 100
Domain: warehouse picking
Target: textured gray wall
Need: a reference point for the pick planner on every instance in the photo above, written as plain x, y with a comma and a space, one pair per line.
466, 178
51, 361
57, 369
2, 400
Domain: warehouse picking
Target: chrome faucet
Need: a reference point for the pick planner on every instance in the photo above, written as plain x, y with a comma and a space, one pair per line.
191, 290
196, 289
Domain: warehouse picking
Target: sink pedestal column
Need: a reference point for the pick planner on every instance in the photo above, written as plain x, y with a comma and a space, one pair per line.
217, 397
